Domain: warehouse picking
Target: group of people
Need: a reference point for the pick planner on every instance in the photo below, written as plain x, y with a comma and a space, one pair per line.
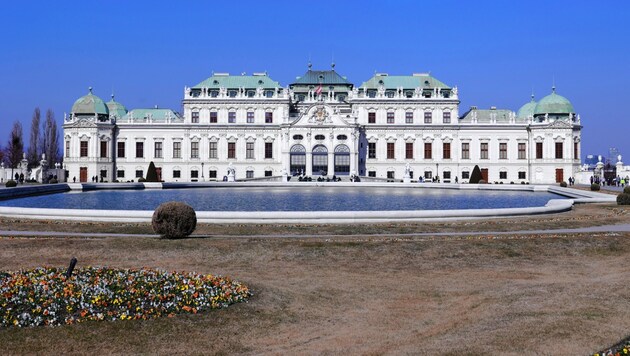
613, 182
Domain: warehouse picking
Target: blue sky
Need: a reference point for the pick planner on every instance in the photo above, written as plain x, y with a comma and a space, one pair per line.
496, 52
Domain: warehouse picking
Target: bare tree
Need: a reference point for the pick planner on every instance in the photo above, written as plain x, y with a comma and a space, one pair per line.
15, 148
32, 155
50, 140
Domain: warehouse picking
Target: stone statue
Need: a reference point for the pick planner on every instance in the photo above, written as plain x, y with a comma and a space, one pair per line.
222, 91
381, 90
599, 158
618, 158
259, 91
417, 92
231, 173
454, 91
407, 170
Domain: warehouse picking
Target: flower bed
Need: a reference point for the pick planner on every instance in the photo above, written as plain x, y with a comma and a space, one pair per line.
43, 296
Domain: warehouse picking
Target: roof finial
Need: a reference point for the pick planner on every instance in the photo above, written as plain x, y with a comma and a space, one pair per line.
90, 89
310, 64
112, 96
553, 85
333, 65
532, 93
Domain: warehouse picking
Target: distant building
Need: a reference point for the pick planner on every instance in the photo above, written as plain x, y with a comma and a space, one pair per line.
322, 124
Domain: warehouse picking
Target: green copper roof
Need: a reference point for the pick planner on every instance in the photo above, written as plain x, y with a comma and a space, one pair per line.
154, 114
404, 81
238, 81
554, 104
89, 104
325, 77
527, 110
115, 108
485, 116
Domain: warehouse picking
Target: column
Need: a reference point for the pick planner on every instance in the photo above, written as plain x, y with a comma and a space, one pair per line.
331, 163
309, 162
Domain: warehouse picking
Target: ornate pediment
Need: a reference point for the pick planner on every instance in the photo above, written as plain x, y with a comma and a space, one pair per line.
560, 124
82, 123
320, 114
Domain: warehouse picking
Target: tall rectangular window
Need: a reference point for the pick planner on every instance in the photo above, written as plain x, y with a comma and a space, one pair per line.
503, 150
213, 150
194, 150
268, 117
67, 148
446, 150
139, 149
157, 150
250, 117
231, 117
539, 150
84, 149
522, 153
177, 149
409, 150
121, 150
428, 117
231, 150
559, 150
576, 149
446, 117
409, 117
465, 150
268, 149
195, 117
391, 151
428, 148
214, 117
249, 150
484, 150
103, 149
390, 117
371, 149
371, 118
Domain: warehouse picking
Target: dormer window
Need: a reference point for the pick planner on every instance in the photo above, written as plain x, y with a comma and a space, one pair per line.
269, 94
216, 82
251, 93
232, 93
214, 93
409, 94
389, 93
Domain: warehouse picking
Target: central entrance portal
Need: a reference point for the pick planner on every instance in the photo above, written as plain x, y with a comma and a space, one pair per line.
320, 160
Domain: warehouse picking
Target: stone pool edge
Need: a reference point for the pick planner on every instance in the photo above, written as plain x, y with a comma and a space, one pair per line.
301, 217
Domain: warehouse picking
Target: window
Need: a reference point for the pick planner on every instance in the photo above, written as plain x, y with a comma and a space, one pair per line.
342, 137
427, 150
502, 150
177, 173
103, 173
249, 150
484, 150
576, 153
446, 117
214, 117
268, 173
177, 150
249, 174
409, 150
84, 149
522, 154
212, 174
67, 148
371, 149
390, 117
250, 117
447, 174
409, 117
465, 150
428, 175
446, 150
195, 117
559, 150
194, 150
139, 173
158, 150
213, 150
268, 117
390, 151
503, 175
120, 173
428, 117
268, 149
139, 149
371, 118
372, 174
231, 150
121, 150
320, 137
103, 149
231, 117
298, 137
522, 175
194, 174
539, 150
465, 175
390, 174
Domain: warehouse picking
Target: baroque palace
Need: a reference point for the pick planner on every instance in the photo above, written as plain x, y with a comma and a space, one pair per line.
322, 124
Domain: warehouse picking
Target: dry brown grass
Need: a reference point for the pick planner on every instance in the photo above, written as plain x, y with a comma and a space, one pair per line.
546, 294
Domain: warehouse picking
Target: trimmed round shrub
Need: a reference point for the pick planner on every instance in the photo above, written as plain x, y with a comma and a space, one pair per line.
623, 199
482, 181
141, 180
174, 220
594, 186
10, 184
626, 190
53, 181
563, 184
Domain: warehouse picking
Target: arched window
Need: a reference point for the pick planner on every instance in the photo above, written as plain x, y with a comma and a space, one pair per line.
298, 137
320, 160
297, 159
342, 160
320, 137
341, 137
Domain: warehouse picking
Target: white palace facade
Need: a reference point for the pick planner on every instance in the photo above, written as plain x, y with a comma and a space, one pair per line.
322, 125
